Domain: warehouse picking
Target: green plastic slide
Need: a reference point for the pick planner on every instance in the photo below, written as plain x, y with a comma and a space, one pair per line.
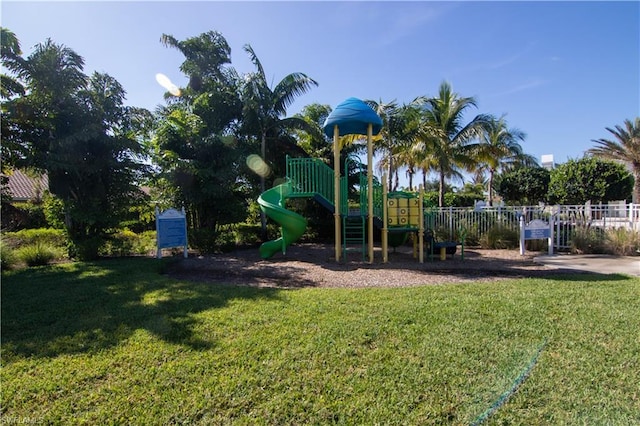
292, 224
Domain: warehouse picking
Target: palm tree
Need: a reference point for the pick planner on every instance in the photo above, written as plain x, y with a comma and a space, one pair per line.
625, 148
10, 54
385, 141
499, 150
52, 72
264, 108
48, 82
396, 136
443, 138
205, 58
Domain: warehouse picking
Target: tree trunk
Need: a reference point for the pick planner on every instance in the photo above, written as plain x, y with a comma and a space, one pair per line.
441, 191
490, 188
636, 184
263, 152
390, 169
397, 183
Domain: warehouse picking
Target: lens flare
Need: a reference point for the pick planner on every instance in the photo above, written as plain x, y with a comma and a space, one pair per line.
165, 82
257, 164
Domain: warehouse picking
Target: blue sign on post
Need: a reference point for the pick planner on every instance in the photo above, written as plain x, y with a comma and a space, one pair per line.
536, 230
537, 233
171, 230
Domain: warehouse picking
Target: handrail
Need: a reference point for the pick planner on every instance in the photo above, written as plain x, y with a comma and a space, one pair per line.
310, 177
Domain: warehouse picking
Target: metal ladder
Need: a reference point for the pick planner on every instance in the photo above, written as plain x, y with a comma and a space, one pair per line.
353, 235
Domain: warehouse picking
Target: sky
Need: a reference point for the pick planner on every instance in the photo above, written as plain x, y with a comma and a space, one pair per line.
562, 72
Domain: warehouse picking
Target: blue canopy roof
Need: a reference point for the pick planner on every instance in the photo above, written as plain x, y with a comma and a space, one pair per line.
352, 117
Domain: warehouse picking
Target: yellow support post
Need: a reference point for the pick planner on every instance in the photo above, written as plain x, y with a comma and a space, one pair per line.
421, 224
370, 188
336, 188
385, 222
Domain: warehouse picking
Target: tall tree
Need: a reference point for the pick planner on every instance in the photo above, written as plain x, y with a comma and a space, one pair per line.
444, 138
589, 179
625, 148
524, 186
499, 150
10, 86
77, 130
316, 144
264, 110
394, 142
10, 53
196, 146
386, 141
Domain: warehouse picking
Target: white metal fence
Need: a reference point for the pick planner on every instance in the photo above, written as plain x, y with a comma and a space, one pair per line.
450, 222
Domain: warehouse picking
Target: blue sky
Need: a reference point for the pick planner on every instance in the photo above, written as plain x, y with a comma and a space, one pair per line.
561, 71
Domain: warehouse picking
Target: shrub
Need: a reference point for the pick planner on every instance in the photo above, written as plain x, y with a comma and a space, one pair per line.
8, 258
587, 240
225, 241
622, 242
248, 234
53, 237
126, 243
53, 210
38, 254
537, 245
146, 243
86, 248
500, 237
34, 214
203, 240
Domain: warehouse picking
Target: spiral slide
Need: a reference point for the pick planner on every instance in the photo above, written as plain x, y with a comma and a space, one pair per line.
292, 224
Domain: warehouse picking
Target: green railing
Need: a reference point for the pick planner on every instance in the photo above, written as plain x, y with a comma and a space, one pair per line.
377, 196
310, 177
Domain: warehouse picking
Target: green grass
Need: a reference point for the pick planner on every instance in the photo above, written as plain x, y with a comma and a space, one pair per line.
116, 342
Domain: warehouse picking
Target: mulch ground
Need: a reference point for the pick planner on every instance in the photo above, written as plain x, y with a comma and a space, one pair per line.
314, 265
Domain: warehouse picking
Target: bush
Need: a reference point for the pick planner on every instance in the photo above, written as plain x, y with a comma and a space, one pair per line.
537, 245
86, 248
587, 240
622, 242
53, 237
500, 237
248, 234
126, 243
8, 258
203, 240
38, 254
53, 210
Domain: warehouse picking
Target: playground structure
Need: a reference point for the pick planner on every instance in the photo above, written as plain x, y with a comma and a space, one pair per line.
397, 214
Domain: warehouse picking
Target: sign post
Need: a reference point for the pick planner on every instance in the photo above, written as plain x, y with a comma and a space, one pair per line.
536, 230
171, 230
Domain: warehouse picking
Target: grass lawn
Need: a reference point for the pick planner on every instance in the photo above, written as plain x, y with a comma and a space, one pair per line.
116, 342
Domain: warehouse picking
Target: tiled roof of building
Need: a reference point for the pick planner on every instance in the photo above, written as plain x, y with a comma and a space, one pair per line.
23, 187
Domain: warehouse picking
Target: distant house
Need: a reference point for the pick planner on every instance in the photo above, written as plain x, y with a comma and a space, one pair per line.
24, 187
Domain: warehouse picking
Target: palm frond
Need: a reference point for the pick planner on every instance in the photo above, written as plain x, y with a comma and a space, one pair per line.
255, 61
289, 88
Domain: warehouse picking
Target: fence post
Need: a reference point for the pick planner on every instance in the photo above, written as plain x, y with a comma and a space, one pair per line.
521, 223
550, 239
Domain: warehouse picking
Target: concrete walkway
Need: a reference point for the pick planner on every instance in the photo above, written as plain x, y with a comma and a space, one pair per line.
599, 263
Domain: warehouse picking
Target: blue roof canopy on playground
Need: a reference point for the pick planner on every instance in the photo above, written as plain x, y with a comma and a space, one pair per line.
352, 117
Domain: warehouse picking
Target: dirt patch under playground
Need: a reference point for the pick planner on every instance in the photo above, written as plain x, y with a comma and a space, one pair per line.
314, 265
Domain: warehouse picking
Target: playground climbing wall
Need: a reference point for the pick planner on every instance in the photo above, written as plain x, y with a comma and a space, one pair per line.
403, 212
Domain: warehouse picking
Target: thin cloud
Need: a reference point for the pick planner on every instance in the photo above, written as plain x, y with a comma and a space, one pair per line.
403, 22
531, 84
501, 63
391, 21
